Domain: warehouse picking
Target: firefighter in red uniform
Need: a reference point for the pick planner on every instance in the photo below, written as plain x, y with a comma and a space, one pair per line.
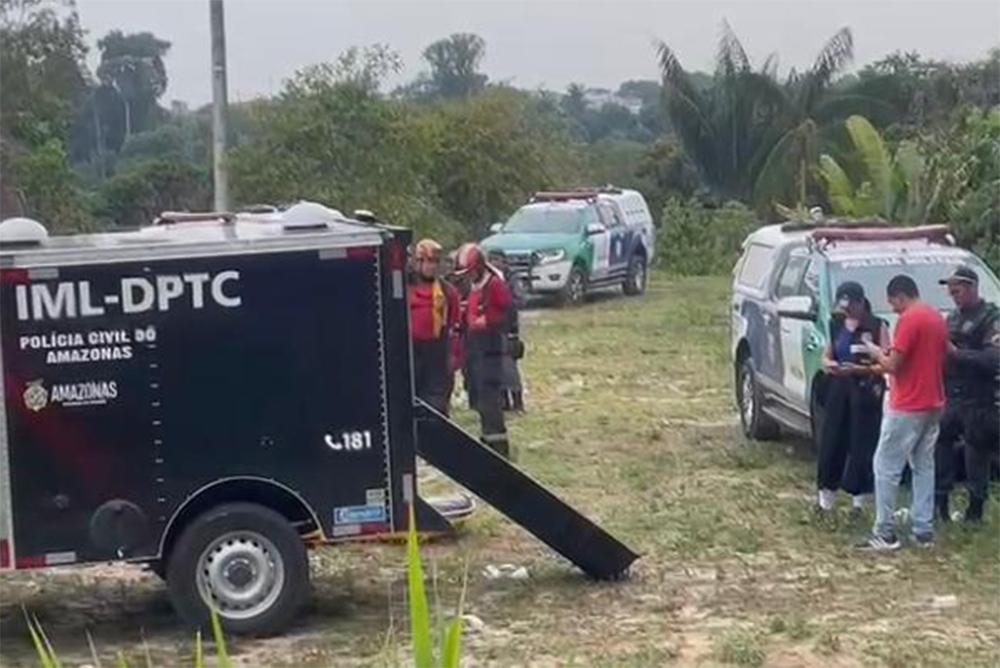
486, 327
434, 321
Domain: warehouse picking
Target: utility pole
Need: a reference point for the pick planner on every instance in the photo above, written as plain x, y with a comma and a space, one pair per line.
219, 106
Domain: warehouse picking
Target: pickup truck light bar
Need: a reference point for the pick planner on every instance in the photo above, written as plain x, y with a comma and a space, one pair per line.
564, 195
930, 233
569, 195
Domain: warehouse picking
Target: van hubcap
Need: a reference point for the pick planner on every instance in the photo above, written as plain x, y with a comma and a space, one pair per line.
240, 574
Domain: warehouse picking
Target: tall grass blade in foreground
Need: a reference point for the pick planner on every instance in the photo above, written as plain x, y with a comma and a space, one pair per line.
199, 657
145, 649
420, 619
220, 640
451, 653
48, 645
45, 656
93, 650
122, 661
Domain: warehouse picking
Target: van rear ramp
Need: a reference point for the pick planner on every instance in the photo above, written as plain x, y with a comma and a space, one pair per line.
461, 457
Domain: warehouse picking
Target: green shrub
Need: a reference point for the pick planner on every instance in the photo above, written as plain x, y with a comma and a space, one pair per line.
696, 241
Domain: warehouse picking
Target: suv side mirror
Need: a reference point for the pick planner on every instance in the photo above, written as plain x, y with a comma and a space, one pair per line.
595, 228
800, 307
496, 228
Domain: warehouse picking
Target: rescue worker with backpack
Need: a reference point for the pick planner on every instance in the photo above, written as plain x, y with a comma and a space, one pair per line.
511, 386
434, 322
486, 323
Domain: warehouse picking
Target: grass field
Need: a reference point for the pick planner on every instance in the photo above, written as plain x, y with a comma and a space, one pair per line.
631, 419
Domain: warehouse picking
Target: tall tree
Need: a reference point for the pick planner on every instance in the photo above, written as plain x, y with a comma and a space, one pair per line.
41, 58
132, 65
454, 63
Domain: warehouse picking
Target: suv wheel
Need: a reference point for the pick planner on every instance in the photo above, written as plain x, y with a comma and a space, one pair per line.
576, 287
635, 280
244, 560
756, 424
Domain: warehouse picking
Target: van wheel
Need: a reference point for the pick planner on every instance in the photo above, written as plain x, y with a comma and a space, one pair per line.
244, 560
575, 289
635, 279
756, 424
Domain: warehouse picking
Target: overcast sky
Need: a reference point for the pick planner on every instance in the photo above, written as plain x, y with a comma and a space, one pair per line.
545, 43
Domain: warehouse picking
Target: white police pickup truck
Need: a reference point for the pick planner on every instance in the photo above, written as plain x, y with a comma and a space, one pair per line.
567, 243
783, 287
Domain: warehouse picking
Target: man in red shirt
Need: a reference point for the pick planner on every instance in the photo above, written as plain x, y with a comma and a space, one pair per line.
915, 365
434, 320
486, 325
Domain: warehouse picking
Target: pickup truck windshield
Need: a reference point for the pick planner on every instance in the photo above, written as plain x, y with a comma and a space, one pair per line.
874, 274
549, 220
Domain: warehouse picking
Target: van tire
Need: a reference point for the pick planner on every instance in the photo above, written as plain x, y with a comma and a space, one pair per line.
636, 277
266, 552
756, 424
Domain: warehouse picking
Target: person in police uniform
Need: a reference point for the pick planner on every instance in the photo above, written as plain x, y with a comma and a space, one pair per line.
973, 394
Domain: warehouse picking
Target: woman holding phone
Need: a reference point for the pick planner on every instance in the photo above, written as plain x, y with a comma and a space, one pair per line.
853, 400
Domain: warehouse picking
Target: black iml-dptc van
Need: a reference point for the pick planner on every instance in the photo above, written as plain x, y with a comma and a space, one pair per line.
215, 393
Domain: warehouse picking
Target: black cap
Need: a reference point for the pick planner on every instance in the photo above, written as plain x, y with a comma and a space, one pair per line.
850, 292
961, 274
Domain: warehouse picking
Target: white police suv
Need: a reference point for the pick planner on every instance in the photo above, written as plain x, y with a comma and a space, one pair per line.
783, 288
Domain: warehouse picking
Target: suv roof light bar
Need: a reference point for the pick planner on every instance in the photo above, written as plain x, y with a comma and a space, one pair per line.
799, 226
930, 233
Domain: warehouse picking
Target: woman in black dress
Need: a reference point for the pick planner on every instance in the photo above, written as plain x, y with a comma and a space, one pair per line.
852, 402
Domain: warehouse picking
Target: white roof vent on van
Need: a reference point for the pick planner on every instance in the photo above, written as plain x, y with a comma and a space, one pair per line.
310, 215
23, 231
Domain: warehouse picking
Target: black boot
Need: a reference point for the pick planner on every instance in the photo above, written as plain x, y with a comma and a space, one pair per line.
941, 507
974, 513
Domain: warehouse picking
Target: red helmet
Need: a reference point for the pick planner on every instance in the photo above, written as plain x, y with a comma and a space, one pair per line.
470, 257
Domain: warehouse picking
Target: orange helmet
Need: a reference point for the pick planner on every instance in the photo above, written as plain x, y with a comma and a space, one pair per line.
427, 249
470, 257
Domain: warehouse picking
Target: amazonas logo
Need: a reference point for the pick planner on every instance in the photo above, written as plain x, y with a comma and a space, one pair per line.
36, 397
87, 393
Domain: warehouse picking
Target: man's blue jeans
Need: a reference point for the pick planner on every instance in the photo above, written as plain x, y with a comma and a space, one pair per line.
905, 437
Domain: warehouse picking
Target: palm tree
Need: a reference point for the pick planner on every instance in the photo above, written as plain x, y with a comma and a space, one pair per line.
809, 106
724, 126
752, 137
